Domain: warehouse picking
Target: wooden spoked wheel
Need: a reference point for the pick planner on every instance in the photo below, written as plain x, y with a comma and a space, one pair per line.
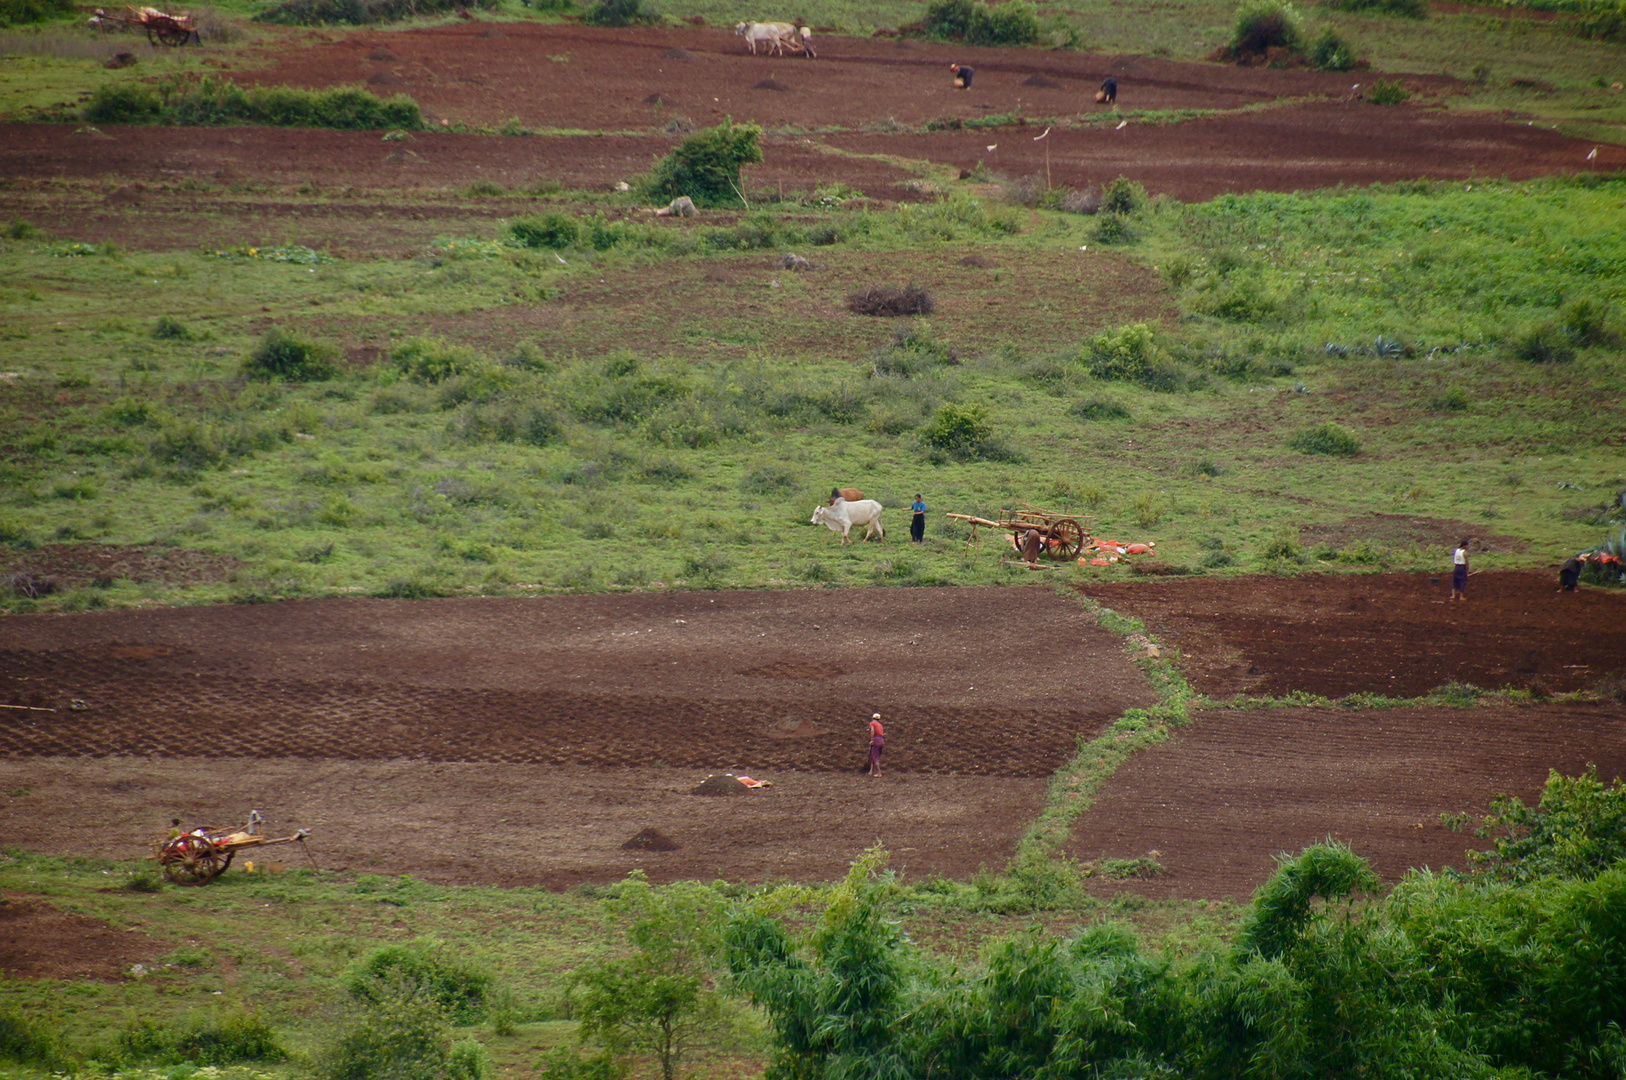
192, 860
169, 33
1069, 539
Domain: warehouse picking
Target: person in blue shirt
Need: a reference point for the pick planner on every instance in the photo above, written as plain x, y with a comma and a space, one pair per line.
917, 524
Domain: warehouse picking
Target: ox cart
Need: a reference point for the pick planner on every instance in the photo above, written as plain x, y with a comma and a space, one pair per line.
1060, 535
200, 856
161, 27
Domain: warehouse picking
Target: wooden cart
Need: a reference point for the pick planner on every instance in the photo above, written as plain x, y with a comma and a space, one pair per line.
162, 28
200, 856
1061, 536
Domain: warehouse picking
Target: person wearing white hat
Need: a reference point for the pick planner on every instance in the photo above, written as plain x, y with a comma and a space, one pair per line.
877, 743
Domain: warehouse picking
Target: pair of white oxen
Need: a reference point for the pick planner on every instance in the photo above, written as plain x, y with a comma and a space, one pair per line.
842, 514
777, 37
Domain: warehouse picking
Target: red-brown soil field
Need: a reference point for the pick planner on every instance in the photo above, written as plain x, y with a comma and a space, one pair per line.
618, 99
527, 741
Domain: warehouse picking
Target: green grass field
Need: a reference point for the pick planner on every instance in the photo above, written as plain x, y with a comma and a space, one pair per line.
1440, 351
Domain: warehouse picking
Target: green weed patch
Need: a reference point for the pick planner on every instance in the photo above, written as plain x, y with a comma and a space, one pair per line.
208, 100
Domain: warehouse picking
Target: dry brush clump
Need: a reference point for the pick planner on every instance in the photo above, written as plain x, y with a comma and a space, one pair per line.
889, 300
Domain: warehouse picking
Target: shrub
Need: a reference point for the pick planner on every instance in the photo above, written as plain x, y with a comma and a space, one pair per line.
889, 300
1544, 344
21, 12
1384, 92
1331, 439
280, 355
1123, 196
433, 359
217, 1039
1410, 9
1262, 25
169, 328
949, 18
123, 103
1129, 353
1577, 830
1329, 52
962, 431
457, 989
551, 231
1452, 400
1110, 229
1586, 321
1013, 22
706, 165
23, 1043
618, 13
1098, 409
398, 1035
1081, 201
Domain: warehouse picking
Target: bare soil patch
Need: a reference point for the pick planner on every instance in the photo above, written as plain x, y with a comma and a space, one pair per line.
615, 98
1393, 634
38, 941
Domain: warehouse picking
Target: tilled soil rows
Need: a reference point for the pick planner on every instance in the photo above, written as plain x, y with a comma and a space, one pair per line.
528, 741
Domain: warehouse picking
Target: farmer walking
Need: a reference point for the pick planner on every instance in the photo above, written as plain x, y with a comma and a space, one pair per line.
1459, 571
877, 743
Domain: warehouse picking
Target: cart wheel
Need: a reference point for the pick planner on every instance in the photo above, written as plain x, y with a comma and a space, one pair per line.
170, 34
1069, 536
192, 860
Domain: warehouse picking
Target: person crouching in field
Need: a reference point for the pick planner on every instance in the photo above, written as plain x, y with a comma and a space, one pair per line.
962, 76
1569, 575
1108, 94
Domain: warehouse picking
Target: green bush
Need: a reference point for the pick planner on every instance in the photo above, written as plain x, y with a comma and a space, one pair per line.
1333, 440
1013, 22
433, 359
706, 165
1131, 354
1123, 196
1577, 830
205, 100
619, 13
22, 12
1544, 344
459, 990
1410, 9
1262, 25
217, 1039
123, 103
359, 12
1098, 409
169, 328
280, 355
397, 1034
1329, 52
554, 230
1586, 321
1384, 92
949, 18
22, 1043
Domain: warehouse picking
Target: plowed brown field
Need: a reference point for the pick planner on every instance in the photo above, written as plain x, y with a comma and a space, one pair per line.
616, 100
528, 740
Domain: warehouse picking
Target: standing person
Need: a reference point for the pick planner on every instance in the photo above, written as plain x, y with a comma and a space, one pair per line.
1569, 575
917, 524
1459, 571
877, 743
962, 76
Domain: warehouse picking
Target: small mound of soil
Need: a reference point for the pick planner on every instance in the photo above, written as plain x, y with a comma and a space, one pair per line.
383, 56
121, 60
658, 99
1040, 79
719, 277
770, 84
1159, 569
384, 78
490, 32
977, 262
677, 52
721, 784
651, 840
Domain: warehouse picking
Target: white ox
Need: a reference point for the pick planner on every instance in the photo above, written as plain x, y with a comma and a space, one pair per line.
840, 516
775, 36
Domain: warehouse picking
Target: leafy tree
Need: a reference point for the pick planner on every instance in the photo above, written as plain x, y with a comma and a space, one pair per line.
1576, 830
661, 996
837, 997
706, 165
